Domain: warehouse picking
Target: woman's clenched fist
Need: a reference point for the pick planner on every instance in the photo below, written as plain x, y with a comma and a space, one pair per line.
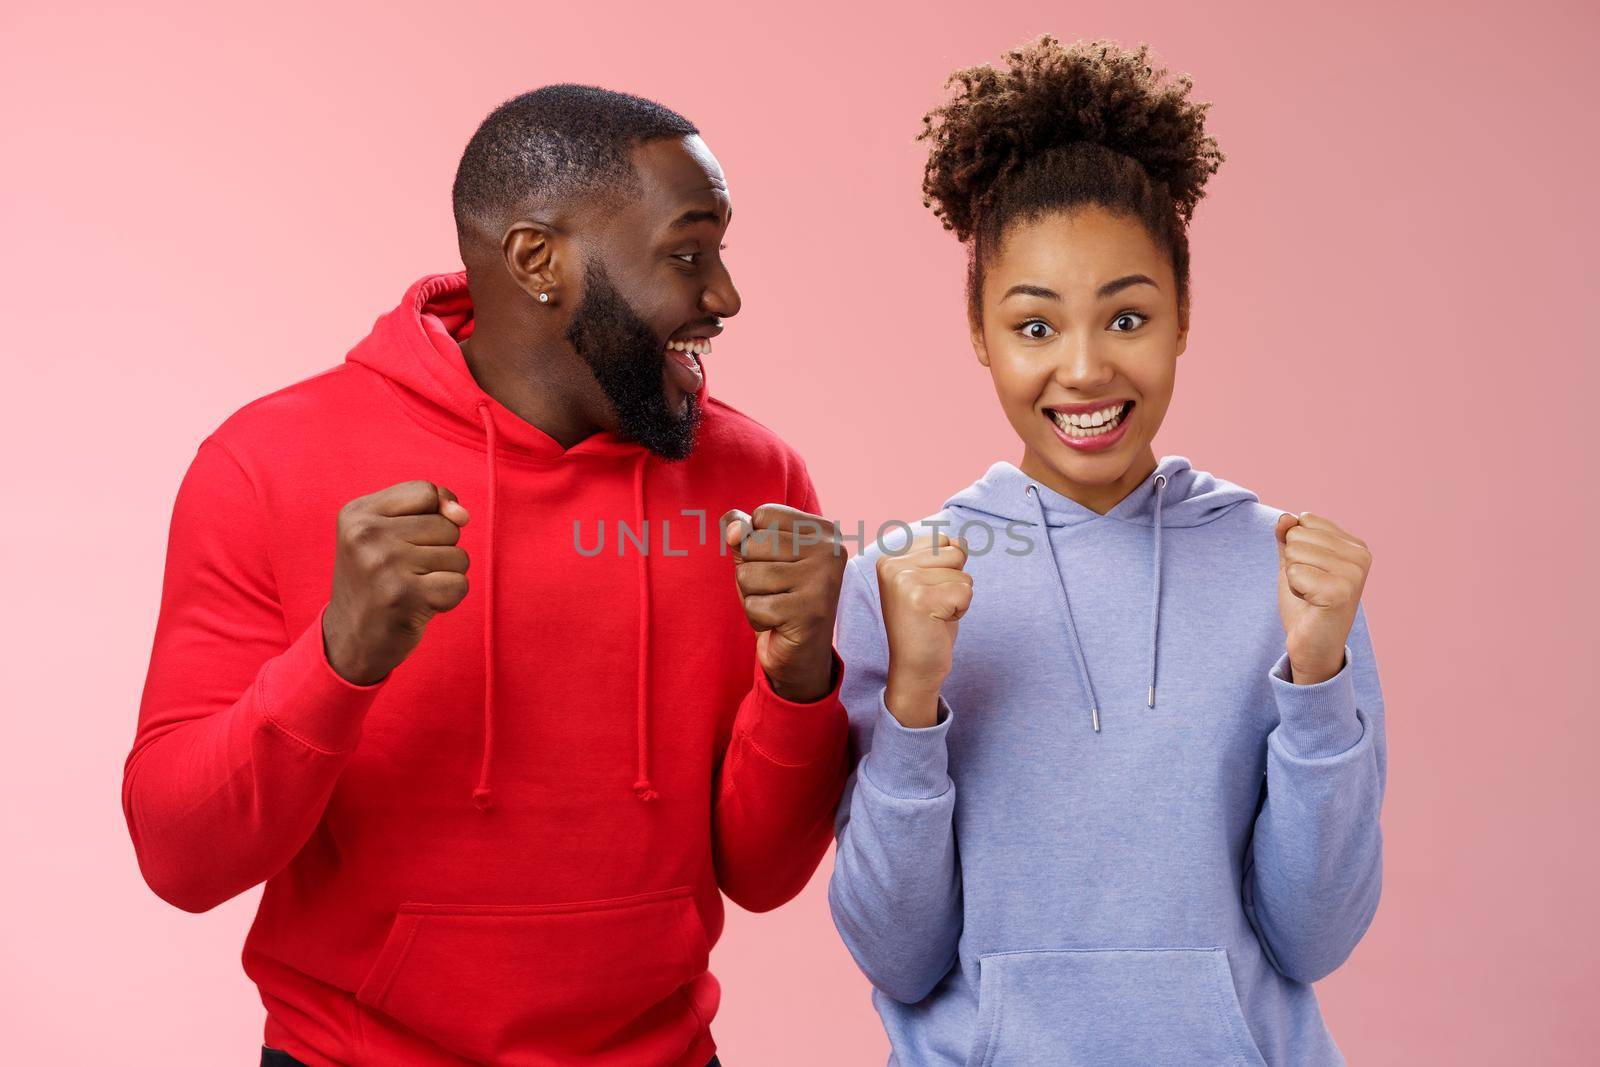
925, 591
1321, 572
396, 566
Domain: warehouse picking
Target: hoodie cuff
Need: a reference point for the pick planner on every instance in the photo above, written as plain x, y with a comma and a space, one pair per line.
307, 699
796, 734
912, 763
1319, 720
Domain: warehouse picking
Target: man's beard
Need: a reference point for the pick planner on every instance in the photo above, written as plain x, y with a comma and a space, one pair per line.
628, 361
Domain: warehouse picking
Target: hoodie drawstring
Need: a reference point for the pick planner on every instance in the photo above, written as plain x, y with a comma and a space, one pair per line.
1066, 608
483, 795
1066, 604
1155, 594
642, 787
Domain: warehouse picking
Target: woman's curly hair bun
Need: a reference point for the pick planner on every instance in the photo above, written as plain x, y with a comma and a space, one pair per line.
1053, 96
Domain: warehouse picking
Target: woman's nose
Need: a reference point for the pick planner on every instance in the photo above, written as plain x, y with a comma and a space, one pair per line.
1083, 364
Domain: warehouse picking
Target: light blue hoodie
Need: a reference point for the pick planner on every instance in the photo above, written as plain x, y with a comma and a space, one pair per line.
1130, 839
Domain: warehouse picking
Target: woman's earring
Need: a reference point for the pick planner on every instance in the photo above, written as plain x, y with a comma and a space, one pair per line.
544, 298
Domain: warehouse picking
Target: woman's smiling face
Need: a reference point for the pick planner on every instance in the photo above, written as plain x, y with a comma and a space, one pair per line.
1081, 332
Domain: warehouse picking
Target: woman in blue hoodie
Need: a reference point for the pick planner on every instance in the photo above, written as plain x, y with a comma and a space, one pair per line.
1132, 814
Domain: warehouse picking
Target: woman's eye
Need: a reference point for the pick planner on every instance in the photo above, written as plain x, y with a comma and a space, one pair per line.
1128, 320
1036, 330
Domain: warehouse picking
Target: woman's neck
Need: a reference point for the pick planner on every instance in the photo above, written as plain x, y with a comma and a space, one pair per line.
1098, 498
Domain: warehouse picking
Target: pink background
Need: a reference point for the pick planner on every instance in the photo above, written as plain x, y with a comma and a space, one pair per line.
1394, 300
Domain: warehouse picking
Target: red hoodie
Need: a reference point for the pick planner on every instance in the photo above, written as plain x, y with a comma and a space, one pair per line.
509, 850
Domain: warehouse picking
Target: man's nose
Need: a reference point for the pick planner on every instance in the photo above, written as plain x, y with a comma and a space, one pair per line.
720, 297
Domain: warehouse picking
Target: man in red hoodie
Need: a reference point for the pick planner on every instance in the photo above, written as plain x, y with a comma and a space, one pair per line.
494, 824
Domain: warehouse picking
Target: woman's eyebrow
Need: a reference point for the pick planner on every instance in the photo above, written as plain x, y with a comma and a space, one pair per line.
1114, 287
1110, 288
1030, 290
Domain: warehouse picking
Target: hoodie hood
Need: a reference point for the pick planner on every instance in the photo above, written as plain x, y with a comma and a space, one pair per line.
416, 348
1172, 495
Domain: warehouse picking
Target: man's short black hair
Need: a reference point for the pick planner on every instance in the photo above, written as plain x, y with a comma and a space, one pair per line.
562, 141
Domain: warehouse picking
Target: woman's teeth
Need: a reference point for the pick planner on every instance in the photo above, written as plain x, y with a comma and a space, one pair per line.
1089, 424
699, 346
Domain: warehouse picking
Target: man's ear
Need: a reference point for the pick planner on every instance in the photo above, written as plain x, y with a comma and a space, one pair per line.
535, 255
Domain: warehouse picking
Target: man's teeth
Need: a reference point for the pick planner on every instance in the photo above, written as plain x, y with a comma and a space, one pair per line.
699, 346
1089, 424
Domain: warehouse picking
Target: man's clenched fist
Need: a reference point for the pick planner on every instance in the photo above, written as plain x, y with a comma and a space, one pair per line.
397, 565
788, 566
925, 590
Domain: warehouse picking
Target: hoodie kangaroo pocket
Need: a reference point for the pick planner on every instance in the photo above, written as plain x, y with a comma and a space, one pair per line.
563, 980
1103, 1007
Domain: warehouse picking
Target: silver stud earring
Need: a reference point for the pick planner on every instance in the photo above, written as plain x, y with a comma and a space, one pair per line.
544, 298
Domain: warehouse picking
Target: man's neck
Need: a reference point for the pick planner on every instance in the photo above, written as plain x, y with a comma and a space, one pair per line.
535, 386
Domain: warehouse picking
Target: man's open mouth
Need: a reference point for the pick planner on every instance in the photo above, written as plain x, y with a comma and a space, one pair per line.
683, 363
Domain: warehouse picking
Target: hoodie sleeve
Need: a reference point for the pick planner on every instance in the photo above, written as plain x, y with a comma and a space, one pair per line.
779, 781
1315, 866
243, 728
895, 893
